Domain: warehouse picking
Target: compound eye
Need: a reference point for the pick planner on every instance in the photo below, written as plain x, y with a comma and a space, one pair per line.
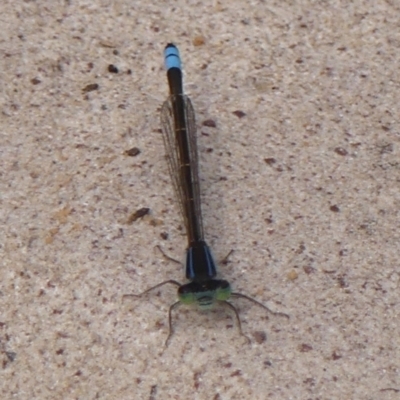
186, 298
224, 291
186, 295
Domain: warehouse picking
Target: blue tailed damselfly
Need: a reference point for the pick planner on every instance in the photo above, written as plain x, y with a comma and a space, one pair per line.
179, 135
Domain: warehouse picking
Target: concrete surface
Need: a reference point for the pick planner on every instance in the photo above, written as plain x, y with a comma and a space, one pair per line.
300, 175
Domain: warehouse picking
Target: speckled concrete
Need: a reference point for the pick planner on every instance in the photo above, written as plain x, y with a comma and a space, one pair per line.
300, 176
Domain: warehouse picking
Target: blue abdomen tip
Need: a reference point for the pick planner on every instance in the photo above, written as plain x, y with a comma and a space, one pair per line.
171, 55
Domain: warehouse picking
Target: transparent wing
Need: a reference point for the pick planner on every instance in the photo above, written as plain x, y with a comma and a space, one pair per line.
174, 162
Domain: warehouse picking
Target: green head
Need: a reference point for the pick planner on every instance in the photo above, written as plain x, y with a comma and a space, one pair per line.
204, 294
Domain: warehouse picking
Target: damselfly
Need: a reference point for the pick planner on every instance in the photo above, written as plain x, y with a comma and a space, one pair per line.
179, 134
